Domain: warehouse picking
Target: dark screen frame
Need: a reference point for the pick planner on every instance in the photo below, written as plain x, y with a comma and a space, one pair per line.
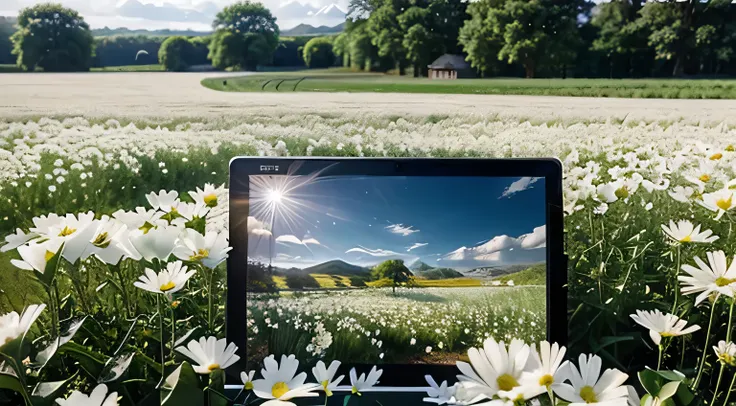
401, 375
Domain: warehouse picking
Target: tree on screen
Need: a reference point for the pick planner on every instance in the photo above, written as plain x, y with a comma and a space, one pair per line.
393, 270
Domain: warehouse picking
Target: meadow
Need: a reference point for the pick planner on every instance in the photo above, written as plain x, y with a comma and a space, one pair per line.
341, 80
623, 180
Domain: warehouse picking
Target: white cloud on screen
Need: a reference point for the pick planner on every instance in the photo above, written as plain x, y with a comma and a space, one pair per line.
517, 186
416, 245
401, 229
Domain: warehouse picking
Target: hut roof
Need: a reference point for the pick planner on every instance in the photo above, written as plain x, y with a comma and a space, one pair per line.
450, 61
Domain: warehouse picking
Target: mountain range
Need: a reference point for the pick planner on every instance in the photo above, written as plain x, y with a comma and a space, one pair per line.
490, 272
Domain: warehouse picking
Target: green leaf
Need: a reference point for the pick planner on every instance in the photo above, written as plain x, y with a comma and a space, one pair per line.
68, 330
17, 350
127, 336
668, 390
217, 386
346, 400
684, 396
115, 368
182, 388
89, 361
12, 383
651, 381
45, 393
52, 267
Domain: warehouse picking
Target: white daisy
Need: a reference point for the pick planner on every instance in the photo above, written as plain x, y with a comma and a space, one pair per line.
715, 277
494, 371
35, 256
247, 378
98, 397
279, 384
168, 281
13, 325
544, 365
726, 352
588, 387
210, 249
662, 325
683, 231
163, 200
14, 241
326, 376
361, 383
210, 354
106, 240
208, 196
140, 219
719, 201
157, 243
439, 394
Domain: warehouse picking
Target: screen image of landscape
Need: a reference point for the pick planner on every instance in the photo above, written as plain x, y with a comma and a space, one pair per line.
393, 269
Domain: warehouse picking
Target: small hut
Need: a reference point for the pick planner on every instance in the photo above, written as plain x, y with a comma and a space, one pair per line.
449, 66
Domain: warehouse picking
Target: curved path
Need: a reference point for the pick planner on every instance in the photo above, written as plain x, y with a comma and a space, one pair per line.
172, 95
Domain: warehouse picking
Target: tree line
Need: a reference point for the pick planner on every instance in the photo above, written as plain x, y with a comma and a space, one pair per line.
530, 38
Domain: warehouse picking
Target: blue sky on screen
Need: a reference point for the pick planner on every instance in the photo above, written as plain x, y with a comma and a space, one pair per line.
455, 222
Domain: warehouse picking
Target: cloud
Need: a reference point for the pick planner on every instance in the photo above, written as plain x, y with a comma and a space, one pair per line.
258, 227
416, 245
518, 186
292, 239
401, 229
503, 249
376, 253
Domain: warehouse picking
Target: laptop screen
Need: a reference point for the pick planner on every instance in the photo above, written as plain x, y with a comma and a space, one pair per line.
392, 269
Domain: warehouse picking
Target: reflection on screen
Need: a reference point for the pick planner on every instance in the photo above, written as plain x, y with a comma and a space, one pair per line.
389, 269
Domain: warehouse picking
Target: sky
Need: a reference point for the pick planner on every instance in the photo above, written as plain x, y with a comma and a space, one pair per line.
455, 222
101, 13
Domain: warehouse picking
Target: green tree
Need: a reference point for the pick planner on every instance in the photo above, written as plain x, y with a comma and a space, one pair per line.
175, 53
54, 38
318, 53
7, 28
619, 38
395, 270
386, 34
418, 41
341, 48
476, 37
360, 46
246, 36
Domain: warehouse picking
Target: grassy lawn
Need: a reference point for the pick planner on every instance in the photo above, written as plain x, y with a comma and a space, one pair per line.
342, 81
130, 68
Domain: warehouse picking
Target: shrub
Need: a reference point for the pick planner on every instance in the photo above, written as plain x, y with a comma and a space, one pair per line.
229, 50
318, 53
175, 53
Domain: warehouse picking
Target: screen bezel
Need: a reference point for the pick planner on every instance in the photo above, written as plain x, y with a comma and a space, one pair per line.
397, 376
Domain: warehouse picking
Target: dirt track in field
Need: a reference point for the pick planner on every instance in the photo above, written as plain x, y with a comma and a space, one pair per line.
171, 95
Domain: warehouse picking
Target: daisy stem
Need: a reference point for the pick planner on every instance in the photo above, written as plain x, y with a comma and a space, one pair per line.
173, 332
677, 272
705, 347
730, 320
659, 359
718, 384
210, 294
161, 331
730, 388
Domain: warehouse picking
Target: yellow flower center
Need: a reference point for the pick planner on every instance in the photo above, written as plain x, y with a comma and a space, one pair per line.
67, 231
546, 380
666, 334
622, 192
727, 359
724, 204
686, 238
588, 394
730, 148
200, 254
210, 200
167, 287
716, 156
506, 382
146, 227
249, 385
355, 391
175, 304
328, 392
704, 177
101, 241
279, 389
721, 281
48, 256
213, 367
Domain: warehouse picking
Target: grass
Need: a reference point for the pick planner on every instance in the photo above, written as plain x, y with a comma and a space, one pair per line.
448, 283
344, 81
130, 68
17, 288
535, 275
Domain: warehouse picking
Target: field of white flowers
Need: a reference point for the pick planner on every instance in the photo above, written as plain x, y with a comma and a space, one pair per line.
623, 182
